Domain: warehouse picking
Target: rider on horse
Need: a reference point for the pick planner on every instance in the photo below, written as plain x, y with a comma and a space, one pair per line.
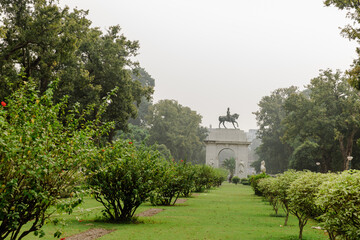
228, 118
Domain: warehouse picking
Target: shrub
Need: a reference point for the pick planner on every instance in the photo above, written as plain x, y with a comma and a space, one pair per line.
267, 186
340, 196
123, 177
220, 176
281, 190
168, 186
175, 179
204, 177
302, 194
254, 179
245, 181
41, 153
235, 180
187, 171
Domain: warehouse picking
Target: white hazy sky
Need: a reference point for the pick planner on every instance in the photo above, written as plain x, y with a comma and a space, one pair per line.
211, 54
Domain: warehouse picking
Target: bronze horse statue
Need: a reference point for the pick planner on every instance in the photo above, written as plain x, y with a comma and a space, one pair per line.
230, 118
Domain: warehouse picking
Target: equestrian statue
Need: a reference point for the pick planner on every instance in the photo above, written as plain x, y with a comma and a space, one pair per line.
229, 118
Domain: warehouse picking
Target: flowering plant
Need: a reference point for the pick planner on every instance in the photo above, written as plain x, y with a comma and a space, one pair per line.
41, 151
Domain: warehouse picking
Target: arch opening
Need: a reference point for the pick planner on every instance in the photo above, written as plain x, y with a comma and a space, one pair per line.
225, 153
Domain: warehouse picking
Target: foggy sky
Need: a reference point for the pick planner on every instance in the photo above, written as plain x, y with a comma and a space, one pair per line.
211, 54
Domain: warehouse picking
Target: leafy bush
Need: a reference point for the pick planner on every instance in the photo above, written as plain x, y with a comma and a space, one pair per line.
220, 176
175, 179
235, 180
340, 196
333, 199
123, 177
281, 190
267, 186
254, 180
302, 193
168, 186
245, 181
187, 171
41, 154
204, 177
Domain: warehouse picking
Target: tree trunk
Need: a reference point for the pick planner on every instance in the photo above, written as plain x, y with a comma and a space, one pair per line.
111, 135
346, 148
301, 227
286, 218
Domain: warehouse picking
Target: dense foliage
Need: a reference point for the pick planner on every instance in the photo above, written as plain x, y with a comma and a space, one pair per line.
254, 182
302, 194
313, 129
207, 177
269, 119
282, 184
178, 128
350, 31
340, 196
322, 127
175, 179
235, 180
268, 188
123, 177
48, 42
41, 153
330, 198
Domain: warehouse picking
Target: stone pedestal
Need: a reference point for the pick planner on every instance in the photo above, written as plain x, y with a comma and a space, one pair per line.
225, 143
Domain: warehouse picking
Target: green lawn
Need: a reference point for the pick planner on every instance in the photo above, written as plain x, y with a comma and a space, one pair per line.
230, 212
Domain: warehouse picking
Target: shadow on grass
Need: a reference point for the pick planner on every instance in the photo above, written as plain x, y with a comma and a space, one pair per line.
133, 220
277, 215
294, 237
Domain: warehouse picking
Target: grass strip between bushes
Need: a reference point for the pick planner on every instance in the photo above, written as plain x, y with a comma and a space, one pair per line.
229, 212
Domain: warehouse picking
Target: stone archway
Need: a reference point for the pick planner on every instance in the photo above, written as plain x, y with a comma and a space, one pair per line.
232, 139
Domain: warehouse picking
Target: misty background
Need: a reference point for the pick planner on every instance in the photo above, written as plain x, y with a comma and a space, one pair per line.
210, 55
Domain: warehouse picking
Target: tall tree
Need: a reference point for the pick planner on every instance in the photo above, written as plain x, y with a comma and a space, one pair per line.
38, 37
107, 59
322, 126
309, 133
269, 118
143, 108
178, 128
351, 31
45, 42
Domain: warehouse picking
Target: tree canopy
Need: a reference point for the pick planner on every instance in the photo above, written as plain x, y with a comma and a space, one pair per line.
321, 127
310, 129
178, 128
269, 118
43, 41
352, 32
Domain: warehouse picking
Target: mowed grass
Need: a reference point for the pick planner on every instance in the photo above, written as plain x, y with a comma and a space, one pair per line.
229, 212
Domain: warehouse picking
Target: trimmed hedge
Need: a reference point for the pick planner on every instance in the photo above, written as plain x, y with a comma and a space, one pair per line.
332, 199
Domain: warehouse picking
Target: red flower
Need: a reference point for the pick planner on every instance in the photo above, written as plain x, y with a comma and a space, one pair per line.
130, 142
62, 239
3, 103
103, 150
181, 160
